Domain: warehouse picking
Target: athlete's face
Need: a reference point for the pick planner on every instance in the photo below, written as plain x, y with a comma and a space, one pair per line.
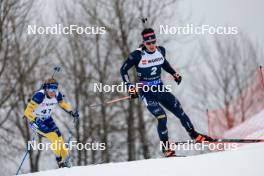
51, 92
151, 45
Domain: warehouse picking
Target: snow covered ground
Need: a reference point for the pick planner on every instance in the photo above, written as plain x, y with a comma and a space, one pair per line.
246, 161
253, 128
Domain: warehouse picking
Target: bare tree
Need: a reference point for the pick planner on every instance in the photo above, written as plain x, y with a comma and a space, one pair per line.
123, 28
230, 64
20, 56
91, 59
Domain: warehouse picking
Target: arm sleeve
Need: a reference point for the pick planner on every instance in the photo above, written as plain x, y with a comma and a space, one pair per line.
32, 105
132, 60
38, 97
166, 65
65, 106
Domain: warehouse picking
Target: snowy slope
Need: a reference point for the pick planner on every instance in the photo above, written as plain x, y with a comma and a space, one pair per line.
251, 128
243, 162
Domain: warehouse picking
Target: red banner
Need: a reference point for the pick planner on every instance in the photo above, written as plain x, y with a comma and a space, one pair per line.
246, 105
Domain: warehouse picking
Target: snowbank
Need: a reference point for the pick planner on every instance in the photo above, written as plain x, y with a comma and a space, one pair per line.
252, 128
243, 162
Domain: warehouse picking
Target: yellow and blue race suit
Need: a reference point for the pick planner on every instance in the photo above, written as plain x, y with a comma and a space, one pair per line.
38, 111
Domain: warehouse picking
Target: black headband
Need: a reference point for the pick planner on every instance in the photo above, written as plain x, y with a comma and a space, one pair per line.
149, 36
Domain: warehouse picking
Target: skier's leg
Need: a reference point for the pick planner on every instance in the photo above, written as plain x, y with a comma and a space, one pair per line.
170, 102
52, 133
156, 110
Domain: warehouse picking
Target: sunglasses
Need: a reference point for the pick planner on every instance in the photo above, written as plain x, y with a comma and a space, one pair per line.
52, 90
149, 43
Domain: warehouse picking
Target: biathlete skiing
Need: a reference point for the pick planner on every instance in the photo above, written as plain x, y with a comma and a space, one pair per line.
38, 113
149, 60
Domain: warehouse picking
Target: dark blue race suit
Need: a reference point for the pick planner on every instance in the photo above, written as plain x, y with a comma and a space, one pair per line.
148, 66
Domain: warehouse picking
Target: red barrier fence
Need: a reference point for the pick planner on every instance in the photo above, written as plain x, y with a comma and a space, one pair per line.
246, 105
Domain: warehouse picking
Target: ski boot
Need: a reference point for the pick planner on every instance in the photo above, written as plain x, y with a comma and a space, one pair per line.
65, 163
61, 164
166, 150
198, 137
169, 153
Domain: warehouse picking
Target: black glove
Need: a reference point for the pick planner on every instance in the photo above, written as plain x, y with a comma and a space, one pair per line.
75, 114
177, 78
132, 91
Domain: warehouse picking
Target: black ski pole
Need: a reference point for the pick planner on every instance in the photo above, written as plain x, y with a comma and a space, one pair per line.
26, 153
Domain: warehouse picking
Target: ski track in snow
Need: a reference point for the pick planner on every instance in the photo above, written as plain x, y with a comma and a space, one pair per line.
243, 162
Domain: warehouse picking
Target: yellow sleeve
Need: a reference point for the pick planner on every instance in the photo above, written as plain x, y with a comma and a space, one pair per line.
29, 110
67, 107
